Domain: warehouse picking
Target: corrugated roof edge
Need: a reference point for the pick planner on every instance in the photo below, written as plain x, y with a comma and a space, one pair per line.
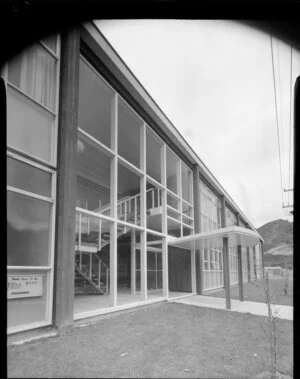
171, 127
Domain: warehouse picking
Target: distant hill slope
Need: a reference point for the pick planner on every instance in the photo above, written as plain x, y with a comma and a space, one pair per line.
278, 245
276, 233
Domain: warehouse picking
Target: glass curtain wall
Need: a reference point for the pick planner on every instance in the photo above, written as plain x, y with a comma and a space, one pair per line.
124, 173
31, 81
180, 210
212, 255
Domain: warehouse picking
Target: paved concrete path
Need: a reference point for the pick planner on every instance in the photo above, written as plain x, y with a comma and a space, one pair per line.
281, 311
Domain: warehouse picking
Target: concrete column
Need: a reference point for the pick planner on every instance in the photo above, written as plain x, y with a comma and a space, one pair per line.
66, 185
197, 226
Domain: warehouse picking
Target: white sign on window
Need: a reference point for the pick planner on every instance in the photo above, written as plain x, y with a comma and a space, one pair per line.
24, 286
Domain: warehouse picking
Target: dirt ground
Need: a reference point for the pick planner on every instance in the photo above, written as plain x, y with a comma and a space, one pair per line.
166, 340
254, 291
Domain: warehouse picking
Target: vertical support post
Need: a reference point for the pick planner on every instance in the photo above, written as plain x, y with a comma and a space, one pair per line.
262, 258
113, 253
165, 263
226, 272
143, 185
99, 273
107, 275
133, 261
156, 270
179, 193
91, 263
248, 264
135, 210
240, 264
226, 268
193, 268
197, 228
66, 184
240, 271
79, 242
254, 262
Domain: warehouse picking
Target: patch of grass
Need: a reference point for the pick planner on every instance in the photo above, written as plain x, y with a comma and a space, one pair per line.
168, 340
254, 291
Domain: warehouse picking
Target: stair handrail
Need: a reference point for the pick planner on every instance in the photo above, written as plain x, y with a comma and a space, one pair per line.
128, 199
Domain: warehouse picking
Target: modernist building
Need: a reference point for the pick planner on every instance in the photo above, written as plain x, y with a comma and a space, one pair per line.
108, 206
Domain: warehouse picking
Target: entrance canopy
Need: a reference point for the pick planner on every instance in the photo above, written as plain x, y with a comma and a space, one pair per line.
235, 234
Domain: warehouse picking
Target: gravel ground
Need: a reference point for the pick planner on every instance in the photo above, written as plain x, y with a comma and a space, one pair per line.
255, 292
164, 340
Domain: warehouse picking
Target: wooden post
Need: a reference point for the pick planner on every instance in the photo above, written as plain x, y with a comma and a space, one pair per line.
66, 186
240, 264
240, 270
248, 264
226, 272
197, 227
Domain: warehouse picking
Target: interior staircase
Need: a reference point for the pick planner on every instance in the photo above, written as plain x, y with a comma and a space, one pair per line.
92, 247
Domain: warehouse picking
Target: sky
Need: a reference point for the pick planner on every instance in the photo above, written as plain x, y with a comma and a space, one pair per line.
214, 80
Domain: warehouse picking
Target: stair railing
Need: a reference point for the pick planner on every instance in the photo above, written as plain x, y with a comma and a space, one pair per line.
125, 205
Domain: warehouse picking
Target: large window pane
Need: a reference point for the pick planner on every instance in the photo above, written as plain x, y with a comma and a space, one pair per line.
92, 263
230, 217
154, 266
129, 266
28, 231
33, 72
29, 127
95, 104
129, 126
154, 146
129, 198
154, 207
174, 228
93, 177
210, 209
29, 178
187, 183
172, 169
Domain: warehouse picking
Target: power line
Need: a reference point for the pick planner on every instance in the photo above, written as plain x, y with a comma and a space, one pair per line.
290, 136
272, 54
280, 99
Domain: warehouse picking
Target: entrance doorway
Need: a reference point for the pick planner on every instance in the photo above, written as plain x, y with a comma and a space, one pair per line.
180, 278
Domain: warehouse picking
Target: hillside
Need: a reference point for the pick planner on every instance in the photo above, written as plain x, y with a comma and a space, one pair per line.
278, 245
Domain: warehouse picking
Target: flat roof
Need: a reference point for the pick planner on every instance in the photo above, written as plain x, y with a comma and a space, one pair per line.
235, 234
